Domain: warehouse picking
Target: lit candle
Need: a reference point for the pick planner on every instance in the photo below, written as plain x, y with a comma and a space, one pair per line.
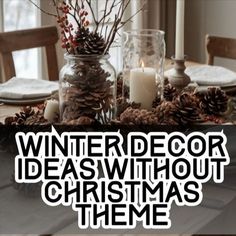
143, 86
179, 46
52, 110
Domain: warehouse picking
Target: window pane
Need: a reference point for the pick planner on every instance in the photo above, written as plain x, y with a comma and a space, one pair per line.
21, 14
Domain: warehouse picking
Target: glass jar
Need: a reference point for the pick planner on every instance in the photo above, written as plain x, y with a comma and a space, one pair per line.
87, 90
143, 66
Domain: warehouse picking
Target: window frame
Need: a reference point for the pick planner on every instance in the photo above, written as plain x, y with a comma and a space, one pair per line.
1, 16
38, 24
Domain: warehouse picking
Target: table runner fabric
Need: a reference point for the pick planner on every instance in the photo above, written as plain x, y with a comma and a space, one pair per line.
23, 215
22, 88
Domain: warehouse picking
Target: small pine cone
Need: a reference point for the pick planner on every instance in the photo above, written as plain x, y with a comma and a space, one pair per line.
138, 117
83, 120
37, 119
187, 110
22, 116
170, 92
119, 85
122, 90
156, 102
122, 105
94, 44
214, 102
81, 37
165, 113
10, 120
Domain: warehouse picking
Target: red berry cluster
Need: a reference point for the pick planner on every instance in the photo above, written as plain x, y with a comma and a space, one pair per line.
69, 37
82, 15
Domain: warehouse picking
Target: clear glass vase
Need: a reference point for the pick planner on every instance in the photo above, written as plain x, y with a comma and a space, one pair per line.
87, 90
143, 66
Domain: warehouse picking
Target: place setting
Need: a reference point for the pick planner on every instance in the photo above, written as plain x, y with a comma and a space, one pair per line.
23, 91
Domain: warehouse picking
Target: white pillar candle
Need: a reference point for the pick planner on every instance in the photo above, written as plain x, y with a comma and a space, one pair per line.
137, 21
143, 86
52, 110
179, 46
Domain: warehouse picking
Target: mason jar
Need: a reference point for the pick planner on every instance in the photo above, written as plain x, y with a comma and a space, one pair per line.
87, 91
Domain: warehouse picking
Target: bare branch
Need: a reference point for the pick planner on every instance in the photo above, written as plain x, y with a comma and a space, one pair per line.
104, 25
42, 10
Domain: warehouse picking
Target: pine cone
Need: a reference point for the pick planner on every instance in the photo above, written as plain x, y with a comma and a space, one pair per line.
122, 90
94, 44
214, 102
28, 116
89, 94
165, 113
37, 119
122, 105
83, 120
170, 92
119, 85
156, 102
81, 37
21, 117
138, 117
187, 110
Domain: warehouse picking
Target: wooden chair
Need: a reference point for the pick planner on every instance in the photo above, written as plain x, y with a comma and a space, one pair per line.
220, 47
25, 39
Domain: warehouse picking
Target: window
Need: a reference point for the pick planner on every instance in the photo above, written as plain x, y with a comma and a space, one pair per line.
16, 15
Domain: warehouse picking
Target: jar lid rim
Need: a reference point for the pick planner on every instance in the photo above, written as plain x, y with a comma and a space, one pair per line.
144, 32
87, 57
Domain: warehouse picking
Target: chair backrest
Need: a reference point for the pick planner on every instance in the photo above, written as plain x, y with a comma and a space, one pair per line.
25, 39
220, 47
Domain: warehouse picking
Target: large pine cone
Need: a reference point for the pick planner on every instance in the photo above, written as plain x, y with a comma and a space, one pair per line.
95, 44
90, 93
214, 102
187, 110
138, 117
170, 92
165, 113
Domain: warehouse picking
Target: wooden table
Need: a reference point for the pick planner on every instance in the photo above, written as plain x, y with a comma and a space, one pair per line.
65, 220
7, 110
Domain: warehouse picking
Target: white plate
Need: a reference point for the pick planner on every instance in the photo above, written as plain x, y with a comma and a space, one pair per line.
211, 75
26, 89
23, 101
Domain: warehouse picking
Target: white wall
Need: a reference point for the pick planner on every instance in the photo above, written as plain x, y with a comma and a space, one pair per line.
217, 17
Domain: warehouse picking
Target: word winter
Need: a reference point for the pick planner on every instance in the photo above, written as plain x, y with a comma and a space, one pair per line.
114, 182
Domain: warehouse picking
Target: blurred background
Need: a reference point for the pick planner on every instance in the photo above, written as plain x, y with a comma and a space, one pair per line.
216, 17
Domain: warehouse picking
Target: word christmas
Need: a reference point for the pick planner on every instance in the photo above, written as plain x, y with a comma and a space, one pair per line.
115, 182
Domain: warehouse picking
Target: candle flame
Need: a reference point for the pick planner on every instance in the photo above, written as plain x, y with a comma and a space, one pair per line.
142, 65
